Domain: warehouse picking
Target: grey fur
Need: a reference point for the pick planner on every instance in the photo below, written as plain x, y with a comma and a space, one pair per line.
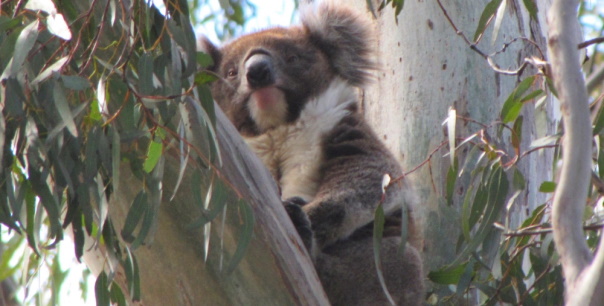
345, 36
298, 110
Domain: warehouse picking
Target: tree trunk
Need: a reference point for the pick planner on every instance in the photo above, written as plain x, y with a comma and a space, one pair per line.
275, 270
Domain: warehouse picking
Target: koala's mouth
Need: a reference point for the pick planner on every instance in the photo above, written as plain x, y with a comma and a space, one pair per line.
267, 98
268, 107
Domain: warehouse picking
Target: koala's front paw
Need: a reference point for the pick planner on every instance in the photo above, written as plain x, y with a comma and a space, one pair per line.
293, 206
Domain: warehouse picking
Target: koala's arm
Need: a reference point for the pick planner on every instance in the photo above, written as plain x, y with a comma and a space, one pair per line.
352, 171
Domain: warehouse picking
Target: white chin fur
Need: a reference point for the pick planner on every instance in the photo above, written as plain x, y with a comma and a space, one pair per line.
268, 107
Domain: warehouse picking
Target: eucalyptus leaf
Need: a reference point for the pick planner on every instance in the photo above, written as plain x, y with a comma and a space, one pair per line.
547, 187
64, 111
54, 68
154, 153
451, 178
136, 212
56, 25
531, 7
486, 16
245, 237
378, 232
448, 276
25, 42
145, 74
204, 60
75, 82
513, 104
496, 191
101, 290
117, 296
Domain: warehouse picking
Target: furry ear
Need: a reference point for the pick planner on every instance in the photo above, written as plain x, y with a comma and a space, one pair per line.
345, 36
206, 46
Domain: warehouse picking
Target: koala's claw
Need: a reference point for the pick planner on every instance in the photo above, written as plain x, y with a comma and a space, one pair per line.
293, 206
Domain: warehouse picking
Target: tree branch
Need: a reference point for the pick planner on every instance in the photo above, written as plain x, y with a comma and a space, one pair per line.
571, 193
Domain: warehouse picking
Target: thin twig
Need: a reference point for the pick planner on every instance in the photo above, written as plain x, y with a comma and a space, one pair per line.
590, 42
460, 33
522, 233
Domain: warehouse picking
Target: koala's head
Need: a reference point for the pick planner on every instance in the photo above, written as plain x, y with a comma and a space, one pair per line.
267, 77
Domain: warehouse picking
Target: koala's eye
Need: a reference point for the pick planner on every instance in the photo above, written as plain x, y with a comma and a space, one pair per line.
231, 73
292, 59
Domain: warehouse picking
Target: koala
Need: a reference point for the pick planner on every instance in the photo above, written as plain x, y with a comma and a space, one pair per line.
292, 93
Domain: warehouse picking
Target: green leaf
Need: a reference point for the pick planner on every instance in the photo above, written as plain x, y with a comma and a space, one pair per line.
465, 279
54, 68
601, 158
534, 219
531, 7
451, 178
148, 222
136, 282
496, 191
91, 163
204, 60
8, 23
117, 296
517, 133
78, 235
153, 154
218, 201
478, 205
136, 212
488, 13
599, 121
64, 111
245, 237
25, 42
547, 187
49, 202
518, 180
207, 117
551, 86
132, 275
101, 290
204, 77
8, 254
466, 210
378, 233
75, 82
450, 276
115, 159
398, 6
145, 74
532, 95
513, 104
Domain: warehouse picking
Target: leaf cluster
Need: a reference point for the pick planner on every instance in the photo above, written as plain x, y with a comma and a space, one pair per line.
89, 89
497, 261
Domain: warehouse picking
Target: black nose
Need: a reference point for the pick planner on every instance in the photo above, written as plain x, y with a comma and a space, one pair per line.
259, 71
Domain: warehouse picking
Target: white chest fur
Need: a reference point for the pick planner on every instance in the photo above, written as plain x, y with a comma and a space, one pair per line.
293, 153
